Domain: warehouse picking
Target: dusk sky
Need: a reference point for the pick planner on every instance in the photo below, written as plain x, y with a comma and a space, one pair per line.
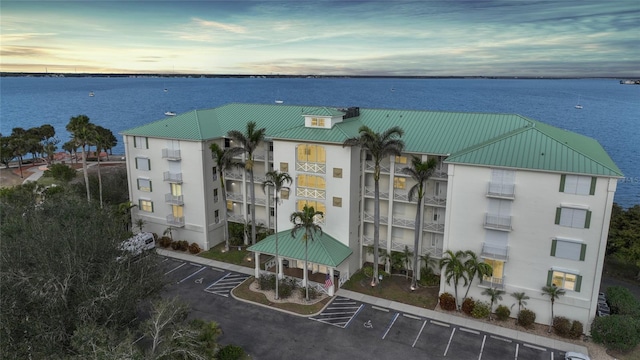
392, 38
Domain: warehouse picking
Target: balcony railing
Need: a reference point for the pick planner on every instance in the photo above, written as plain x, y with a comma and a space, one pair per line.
404, 222
399, 246
384, 220
311, 167
440, 174
370, 166
235, 218
368, 241
369, 191
435, 201
234, 196
494, 282
499, 190
398, 169
435, 252
172, 177
171, 154
311, 193
432, 227
233, 174
497, 222
497, 252
401, 195
177, 221
174, 199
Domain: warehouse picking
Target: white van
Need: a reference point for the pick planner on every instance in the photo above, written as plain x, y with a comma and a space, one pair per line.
139, 243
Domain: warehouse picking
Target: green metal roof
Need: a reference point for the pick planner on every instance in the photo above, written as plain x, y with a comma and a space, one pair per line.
507, 140
324, 249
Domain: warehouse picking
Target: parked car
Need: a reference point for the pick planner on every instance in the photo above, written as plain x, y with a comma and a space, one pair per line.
576, 356
138, 244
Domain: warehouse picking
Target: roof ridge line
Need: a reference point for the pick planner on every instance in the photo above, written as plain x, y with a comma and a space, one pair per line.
495, 139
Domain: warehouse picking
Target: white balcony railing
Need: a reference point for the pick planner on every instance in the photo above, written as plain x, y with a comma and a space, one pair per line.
384, 220
171, 154
435, 252
311, 193
435, 201
234, 196
239, 218
177, 221
505, 191
370, 166
497, 222
404, 222
440, 174
401, 195
233, 174
174, 199
368, 241
493, 282
493, 251
432, 227
400, 246
172, 177
369, 191
311, 167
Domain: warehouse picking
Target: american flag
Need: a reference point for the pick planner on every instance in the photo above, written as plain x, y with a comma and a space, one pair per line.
327, 282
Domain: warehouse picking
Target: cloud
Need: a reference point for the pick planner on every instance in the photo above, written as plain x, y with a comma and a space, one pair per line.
220, 26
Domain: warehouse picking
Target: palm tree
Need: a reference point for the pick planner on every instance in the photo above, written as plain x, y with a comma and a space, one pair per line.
19, 143
522, 298
475, 268
406, 259
168, 231
554, 293
140, 222
99, 139
420, 171
225, 161
428, 261
305, 220
454, 270
277, 181
80, 128
380, 146
495, 295
250, 142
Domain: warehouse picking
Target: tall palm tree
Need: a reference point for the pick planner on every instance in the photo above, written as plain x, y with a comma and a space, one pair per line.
80, 128
380, 146
406, 259
553, 292
276, 180
475, 268
522, 298
454, 269
305, 220
19, 144
494, 295
98, 138
225, 161
420, 171
250, 140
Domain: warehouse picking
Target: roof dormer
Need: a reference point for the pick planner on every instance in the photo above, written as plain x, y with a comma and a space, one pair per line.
322, 117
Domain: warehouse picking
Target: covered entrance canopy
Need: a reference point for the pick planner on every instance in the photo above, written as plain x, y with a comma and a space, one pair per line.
323, 250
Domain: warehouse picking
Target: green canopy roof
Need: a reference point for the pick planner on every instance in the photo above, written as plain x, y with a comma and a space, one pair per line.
324, 249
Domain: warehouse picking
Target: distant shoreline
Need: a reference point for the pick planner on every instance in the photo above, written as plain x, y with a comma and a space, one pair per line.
279, 76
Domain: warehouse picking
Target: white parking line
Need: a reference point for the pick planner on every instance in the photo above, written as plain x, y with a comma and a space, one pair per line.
470, 331
439, 323
517, 349
449, 343
411, 317
482, 347
354, 315
204, 268
500, 338
420, 333
379, 308
535, 347
174, 269
390, 325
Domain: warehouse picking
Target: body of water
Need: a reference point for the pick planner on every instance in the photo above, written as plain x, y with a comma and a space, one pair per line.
610, 113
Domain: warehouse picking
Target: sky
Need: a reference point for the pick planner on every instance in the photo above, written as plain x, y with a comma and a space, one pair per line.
559, 38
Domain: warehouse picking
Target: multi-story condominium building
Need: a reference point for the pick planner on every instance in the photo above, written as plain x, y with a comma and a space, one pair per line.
532, 200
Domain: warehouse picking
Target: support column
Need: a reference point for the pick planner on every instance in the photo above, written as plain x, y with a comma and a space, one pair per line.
305, 279
256, 256
332, 288
279, 269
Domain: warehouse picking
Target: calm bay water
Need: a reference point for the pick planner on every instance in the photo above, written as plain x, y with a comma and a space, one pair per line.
610, 114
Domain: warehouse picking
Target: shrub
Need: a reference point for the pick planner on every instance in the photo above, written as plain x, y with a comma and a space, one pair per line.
561, 326
622, 302
230, 352
481, 310
526, 318
503, 313
268, 282
183, 245
467, 305
194, 248
165, 241
155, 237
428, 278
286, 287
175, 245
447, 302
577, 329
313, 293
60, 172
616, 332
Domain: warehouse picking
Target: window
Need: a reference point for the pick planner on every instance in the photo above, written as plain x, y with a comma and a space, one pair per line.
401, 159
214, 172
177, 211
317, 122
311, 153
270, 146
311, 181
145, 205
337, 201
564, 280
229, 205
284, 194
399, 183
216, 216
272, 212
337, 173
579, 185
227, 143
176, 189
215, 195
143, 164
575, 218
567, 249
317, 206
140, 142
284, 167
144, 185
498, 270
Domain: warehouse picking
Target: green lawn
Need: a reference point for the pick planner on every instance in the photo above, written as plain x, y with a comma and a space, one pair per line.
233, 256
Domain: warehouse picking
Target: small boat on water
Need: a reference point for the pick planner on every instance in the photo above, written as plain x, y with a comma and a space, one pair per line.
578, 106
170, 113
91, 94
279, 101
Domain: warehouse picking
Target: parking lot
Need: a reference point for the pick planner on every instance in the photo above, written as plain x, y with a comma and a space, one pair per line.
212, 280
439, 339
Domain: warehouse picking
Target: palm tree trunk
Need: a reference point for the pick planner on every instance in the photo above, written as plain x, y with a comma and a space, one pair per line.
306, 276
86, 173
226, 215
100, 181
277, 258
376, 231
253, 208
20, 166
416, 244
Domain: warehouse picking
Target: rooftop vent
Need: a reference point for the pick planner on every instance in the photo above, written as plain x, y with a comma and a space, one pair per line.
351, 112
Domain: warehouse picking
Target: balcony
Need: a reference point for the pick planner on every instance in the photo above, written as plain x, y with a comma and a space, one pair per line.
310, 167
370, 165
368, 241
501, 191
398, 169
173, 177
311, 193
497, 222
171, 154
440, 174
233, 174
369, 191
235, 218
493, 282
177, 221
433, 227
400, 246
401, 195
435, 252
235, 197
404, 222
435, 201
174, 199
493, 251
368, 217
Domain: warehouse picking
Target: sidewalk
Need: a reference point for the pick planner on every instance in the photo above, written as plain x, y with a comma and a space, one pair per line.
407, 309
